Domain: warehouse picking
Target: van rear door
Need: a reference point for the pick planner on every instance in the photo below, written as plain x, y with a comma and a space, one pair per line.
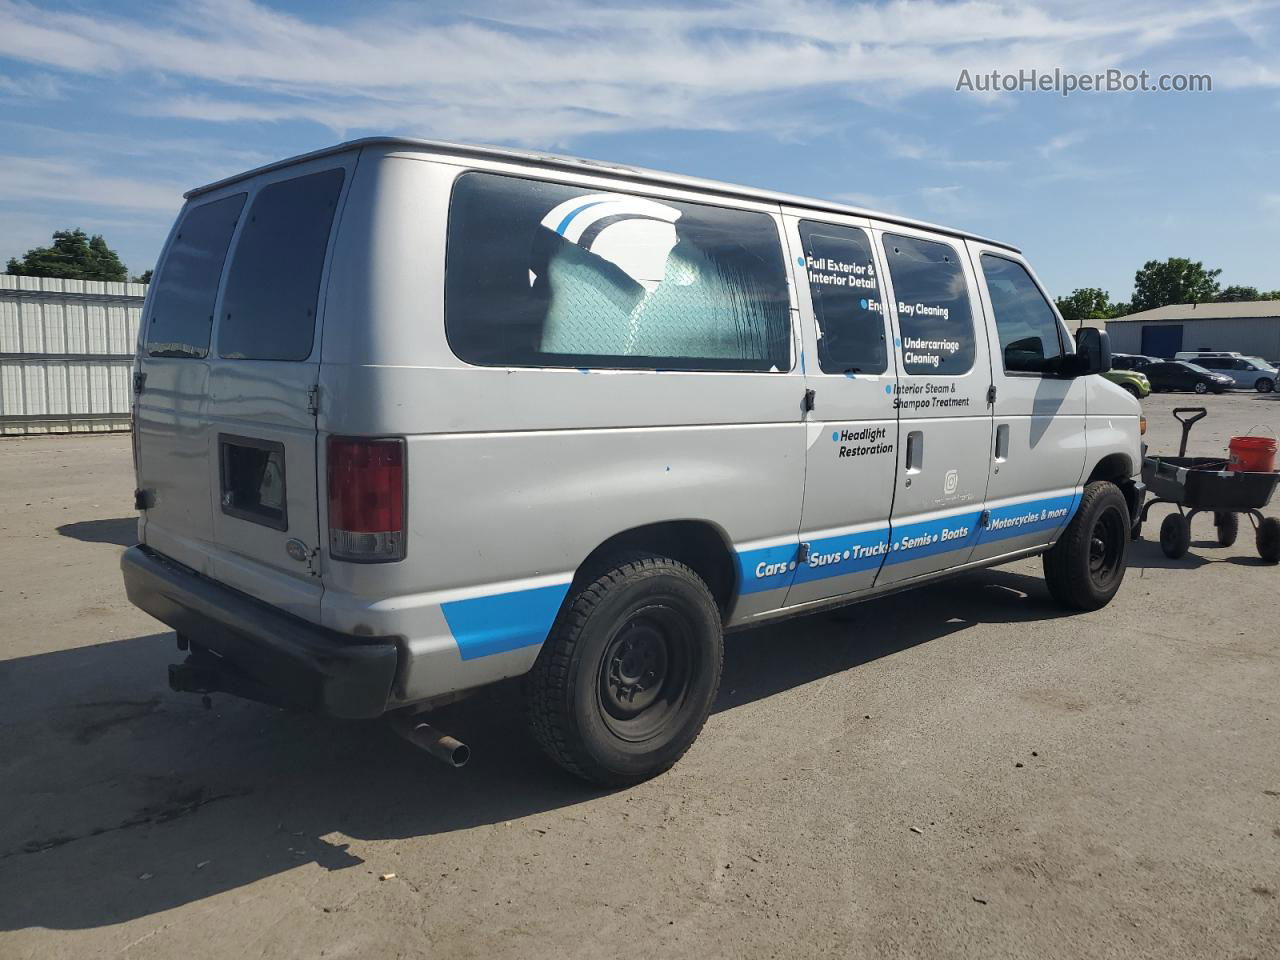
171, 382
262, 401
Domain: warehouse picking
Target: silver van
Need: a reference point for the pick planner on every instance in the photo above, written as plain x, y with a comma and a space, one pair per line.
413, 417
1248, 373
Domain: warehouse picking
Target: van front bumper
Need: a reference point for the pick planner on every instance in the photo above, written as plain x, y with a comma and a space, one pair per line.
244, 647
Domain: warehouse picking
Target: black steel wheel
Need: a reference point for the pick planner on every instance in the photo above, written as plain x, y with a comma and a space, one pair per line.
1175, 536
1268, 539
1085, 568
625, 681
1228, 525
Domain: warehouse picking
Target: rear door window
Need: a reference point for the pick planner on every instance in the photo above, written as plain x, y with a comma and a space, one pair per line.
183, 299
551, 275
269, 308
845, 292
934, 314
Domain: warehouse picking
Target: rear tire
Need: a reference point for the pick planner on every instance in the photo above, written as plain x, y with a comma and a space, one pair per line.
1175, 536
1085, 568
1264, 385
627, 677
1228, 525
1268, 540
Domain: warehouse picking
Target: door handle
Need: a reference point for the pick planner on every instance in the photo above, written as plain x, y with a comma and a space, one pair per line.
1002, 443
915, 451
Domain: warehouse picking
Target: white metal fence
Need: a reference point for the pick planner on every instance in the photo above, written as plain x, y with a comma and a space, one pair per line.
66, 350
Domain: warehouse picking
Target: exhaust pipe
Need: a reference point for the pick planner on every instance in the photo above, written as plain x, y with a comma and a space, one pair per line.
443, 747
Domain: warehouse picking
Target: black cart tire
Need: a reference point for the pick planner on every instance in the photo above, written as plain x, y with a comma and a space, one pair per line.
1175, 536
1268, 540
625, 681
1264, 385
1228, 525
1201, 388
1085, 568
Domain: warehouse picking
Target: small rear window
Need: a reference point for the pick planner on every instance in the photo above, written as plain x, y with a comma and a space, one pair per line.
269, 308
184, 294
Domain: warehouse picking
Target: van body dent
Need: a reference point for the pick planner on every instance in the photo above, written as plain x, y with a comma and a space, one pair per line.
412, 417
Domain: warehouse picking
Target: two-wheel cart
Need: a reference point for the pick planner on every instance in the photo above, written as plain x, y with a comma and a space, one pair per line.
1204, 485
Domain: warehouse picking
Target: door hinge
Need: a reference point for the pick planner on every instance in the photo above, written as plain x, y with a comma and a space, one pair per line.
139, 382
809, 401
313, 399
991, 395
313, 562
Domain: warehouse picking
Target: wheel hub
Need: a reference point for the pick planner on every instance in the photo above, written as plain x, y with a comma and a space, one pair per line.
637, 667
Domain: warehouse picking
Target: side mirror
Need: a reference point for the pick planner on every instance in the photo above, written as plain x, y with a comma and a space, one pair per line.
1093, 352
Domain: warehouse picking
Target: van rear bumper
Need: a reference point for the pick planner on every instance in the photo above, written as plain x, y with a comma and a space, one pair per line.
250, 649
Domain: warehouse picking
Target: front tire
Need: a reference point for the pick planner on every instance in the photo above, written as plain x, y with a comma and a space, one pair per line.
627, 677
1132, 390
1201, 388
1264, 385
1085, 568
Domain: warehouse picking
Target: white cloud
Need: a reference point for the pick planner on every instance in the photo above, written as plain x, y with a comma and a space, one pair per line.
1060, 142
70, 181
550, 70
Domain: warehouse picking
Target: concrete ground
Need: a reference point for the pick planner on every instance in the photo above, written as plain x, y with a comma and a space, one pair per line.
960, 771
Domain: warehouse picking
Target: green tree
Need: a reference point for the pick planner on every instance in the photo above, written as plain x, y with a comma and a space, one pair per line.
1176, 280
143, 277
1236, 293
1085, 303
73, 256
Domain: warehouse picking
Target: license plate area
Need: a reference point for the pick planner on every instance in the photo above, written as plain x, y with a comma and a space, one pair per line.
252, 475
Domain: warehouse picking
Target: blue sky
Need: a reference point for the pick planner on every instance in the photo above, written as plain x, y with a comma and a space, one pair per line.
109, 111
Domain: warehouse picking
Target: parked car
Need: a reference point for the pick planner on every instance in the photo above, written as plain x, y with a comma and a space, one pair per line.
1249, 373
1180, 375
1134, 382
412, 418
1131, 361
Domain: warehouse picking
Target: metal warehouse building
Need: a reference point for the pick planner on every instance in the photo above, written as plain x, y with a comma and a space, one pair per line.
1251, 327
66, 349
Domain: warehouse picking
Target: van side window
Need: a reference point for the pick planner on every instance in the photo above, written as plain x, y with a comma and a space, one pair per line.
1027, 325
934, 315
182, 300
550, 275
269, 308
846, 298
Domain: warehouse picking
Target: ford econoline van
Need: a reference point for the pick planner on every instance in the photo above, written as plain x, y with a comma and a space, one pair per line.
412, 418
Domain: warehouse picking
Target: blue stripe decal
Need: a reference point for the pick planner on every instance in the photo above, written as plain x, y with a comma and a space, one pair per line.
847, 553
564, 224
1038, 516
915, 541
483, 626
767, 568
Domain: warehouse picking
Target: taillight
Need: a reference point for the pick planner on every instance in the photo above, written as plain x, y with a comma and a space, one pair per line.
366, 499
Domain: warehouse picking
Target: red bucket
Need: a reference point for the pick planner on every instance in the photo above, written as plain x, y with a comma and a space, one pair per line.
1252, 454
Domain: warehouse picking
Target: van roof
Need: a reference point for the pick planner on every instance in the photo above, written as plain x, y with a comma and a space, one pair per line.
580, 165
